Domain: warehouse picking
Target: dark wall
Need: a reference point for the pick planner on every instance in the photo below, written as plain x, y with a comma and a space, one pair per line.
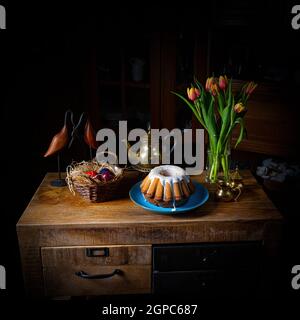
43, 60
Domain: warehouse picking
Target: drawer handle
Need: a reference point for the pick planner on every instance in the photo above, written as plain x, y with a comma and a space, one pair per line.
97, 252
85, 275
209, 255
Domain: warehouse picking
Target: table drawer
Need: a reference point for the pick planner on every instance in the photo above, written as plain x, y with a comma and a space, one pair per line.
206, 256
77, 271
209, 283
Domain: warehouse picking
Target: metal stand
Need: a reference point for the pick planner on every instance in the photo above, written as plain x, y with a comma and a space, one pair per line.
58, 182
91, 153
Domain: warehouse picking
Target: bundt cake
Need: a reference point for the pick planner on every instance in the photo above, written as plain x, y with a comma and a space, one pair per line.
167, 186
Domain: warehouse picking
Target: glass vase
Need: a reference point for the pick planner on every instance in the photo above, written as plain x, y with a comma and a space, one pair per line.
218, 165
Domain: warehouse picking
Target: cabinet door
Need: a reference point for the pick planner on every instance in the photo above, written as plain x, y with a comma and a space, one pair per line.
79, 271
177, 72
128, 78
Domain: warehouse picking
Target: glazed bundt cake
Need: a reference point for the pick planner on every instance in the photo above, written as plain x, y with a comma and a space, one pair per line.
167, 186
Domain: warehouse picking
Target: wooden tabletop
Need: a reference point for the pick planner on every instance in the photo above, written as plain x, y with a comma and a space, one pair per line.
57, 206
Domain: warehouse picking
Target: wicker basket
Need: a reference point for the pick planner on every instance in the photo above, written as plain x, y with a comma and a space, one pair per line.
88, 188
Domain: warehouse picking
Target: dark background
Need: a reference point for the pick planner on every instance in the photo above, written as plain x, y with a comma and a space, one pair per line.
44, 55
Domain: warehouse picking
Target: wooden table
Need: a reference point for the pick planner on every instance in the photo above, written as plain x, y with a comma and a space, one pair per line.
61, 234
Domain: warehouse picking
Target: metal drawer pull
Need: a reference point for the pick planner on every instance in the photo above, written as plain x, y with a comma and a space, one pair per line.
97, 252
209, 255
84, 275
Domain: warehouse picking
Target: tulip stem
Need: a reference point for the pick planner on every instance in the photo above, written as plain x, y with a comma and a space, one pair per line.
219, 161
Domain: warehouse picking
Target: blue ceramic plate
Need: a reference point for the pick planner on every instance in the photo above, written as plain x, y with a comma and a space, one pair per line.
198, 198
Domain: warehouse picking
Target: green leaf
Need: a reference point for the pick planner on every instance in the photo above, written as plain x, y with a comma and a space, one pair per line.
240, 121
197, 114
211, 118
229, 97
220, 103
232, 112
225, 119
228, 89
202, 97
204, 113
198, 84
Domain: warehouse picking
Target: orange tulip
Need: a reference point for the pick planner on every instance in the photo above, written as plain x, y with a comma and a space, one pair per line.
212, 86
214, 89
209, 83
193, 93
250, 87
239, 107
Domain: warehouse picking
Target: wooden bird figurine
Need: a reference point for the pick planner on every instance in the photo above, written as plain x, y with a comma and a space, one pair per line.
89, 135
60, 140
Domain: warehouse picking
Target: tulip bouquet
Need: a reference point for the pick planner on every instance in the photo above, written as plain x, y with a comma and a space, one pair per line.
219, 111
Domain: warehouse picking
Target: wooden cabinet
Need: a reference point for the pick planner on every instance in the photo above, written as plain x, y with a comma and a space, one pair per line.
132, 78
71, 247
271, 121
126, 78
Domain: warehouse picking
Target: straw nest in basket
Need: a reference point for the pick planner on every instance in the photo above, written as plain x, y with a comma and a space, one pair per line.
93, 188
